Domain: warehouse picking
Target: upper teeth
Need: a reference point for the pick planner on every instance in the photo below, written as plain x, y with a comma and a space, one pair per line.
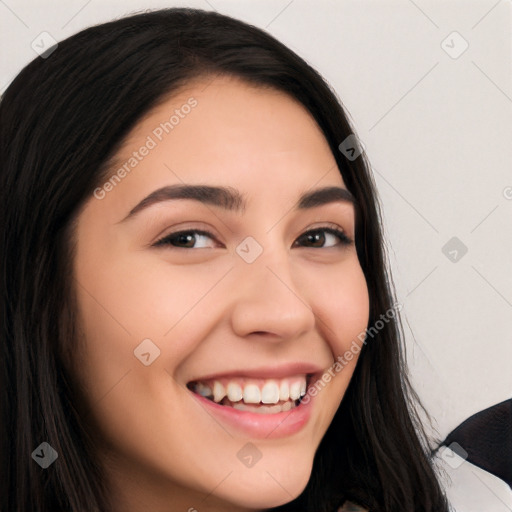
253, 391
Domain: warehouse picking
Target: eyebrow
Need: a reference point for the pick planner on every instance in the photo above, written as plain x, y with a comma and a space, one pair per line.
231, 199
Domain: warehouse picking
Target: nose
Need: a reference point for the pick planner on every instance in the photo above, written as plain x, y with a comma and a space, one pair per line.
268, 303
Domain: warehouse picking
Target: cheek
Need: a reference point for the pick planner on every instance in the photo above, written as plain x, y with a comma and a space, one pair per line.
127, 300
341, 301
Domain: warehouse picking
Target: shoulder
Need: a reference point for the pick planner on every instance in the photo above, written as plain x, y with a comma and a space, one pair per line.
349, 506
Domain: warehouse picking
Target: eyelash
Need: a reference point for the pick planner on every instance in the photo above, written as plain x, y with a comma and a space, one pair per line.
343, 238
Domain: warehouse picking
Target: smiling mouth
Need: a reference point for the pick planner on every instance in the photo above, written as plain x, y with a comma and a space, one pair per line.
263, 396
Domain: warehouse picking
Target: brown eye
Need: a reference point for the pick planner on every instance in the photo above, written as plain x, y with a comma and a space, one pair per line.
317, 238
190, 239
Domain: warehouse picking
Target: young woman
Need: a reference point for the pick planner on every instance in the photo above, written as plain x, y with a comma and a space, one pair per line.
196, 308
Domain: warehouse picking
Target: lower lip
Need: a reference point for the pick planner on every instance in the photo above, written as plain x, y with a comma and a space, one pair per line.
261, 426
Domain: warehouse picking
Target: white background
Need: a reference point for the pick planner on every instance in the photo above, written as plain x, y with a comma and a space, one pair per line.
438, 133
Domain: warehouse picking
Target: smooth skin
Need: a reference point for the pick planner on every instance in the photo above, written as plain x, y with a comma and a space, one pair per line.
207, 309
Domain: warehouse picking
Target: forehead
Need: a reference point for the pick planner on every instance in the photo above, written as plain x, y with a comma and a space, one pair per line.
227, 132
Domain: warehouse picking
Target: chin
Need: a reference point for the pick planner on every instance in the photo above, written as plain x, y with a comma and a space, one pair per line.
263, 488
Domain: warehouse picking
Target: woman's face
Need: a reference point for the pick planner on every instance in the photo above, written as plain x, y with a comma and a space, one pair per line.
246, 303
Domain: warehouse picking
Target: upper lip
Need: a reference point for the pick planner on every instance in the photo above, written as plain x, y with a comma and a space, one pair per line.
266, 372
